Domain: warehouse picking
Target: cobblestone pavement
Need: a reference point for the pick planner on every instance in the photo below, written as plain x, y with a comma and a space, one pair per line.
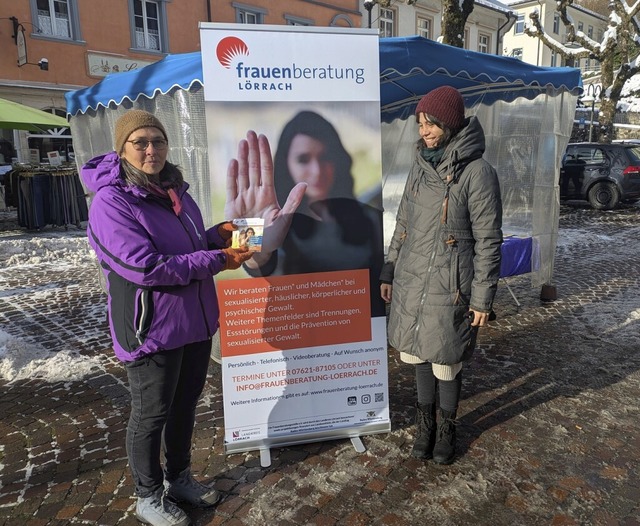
549, 428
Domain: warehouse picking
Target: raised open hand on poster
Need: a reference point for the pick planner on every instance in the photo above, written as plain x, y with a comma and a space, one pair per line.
251, 192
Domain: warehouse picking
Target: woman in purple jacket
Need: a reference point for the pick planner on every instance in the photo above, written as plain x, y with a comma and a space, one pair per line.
158, 261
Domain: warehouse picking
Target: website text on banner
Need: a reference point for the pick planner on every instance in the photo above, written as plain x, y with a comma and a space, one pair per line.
296, 396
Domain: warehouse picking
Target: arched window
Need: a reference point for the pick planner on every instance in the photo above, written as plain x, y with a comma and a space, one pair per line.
55, 139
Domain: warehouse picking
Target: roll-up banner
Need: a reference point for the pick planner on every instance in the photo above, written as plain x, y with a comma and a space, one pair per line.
302, 327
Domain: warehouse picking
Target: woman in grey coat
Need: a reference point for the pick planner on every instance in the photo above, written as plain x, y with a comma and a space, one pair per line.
443, 264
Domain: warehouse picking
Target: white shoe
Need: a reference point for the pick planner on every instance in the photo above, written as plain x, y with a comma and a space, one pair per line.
187, 489
157, 510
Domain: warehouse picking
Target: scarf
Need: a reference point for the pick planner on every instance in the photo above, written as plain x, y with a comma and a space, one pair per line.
170, 193
432, 155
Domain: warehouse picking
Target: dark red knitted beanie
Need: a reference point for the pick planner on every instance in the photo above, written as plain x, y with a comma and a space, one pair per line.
445, 104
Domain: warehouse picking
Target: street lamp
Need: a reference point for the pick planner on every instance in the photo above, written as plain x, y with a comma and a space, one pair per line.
593, 92
368, 5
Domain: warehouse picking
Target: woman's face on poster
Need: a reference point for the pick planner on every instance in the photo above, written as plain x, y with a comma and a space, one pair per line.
308, 162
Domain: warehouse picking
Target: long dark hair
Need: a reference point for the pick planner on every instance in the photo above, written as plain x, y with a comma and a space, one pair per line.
315, 126
341, 201
169, 177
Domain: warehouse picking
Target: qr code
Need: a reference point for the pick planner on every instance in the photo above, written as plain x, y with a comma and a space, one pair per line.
379, 397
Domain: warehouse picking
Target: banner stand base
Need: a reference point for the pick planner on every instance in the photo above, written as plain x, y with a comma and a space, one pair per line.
265, 452
265, 457
358, 445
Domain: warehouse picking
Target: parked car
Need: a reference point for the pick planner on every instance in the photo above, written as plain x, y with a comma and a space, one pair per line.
603, 174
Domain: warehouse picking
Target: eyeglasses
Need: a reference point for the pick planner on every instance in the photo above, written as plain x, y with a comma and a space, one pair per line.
142, 144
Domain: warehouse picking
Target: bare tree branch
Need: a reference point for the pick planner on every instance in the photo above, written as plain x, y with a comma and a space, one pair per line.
618, 54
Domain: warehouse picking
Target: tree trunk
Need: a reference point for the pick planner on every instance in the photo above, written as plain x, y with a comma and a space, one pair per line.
608, 104
454, 18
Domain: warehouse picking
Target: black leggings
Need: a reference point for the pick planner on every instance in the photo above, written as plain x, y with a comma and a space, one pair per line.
427, 385
165, 389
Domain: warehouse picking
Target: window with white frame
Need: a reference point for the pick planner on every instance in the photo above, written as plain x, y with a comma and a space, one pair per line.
424, 26
556, 23
56, 18
248, 17
590, 31
248, 14
484, 43
149, 25
554, 59
387, 22
580, 26
519, 25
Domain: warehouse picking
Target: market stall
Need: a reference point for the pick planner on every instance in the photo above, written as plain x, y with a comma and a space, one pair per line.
526, 111
46, 193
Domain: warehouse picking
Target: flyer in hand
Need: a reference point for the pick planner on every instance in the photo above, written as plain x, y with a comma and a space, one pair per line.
248, 234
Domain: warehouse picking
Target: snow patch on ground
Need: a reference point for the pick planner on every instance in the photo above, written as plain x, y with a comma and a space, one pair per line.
62, 248
19, 358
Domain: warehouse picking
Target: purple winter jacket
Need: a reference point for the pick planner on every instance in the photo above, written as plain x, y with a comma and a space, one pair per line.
158, 266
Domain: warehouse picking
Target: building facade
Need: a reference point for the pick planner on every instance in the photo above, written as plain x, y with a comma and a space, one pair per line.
484, 29
531, 50
54, 46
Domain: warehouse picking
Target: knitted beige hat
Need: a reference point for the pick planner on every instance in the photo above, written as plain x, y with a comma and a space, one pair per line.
131, 121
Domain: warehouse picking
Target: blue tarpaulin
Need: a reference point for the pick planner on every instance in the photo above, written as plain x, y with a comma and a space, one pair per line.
413, 66
180, 70
516, 256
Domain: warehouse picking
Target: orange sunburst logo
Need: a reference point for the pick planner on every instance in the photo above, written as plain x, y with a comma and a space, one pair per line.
230, 48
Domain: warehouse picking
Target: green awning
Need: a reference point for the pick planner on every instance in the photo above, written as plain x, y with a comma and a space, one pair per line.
16, 116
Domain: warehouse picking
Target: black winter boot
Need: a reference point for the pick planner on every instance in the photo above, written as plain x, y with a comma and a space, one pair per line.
425, 431
445, 449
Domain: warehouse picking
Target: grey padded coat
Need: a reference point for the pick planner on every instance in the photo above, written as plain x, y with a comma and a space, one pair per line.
444, 256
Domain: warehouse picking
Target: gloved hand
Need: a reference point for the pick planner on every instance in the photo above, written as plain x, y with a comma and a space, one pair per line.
236, 257
225, 231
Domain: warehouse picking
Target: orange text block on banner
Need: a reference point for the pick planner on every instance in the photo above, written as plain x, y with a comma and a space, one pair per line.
289, 312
